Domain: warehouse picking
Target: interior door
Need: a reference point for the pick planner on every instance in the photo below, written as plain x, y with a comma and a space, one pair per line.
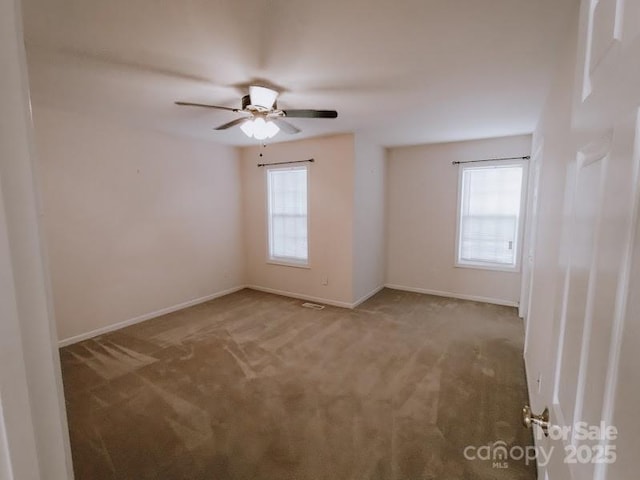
600, 218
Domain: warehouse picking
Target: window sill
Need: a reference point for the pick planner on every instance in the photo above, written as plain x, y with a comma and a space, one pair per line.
490, 267
284, 263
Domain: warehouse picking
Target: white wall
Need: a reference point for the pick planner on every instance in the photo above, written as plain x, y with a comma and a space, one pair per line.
136, 221
422, 198
331, 182
369, 217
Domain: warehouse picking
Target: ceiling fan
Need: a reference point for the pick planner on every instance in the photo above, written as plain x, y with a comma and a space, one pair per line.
261, 117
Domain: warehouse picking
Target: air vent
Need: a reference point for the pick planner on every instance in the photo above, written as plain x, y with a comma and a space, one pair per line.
313, 306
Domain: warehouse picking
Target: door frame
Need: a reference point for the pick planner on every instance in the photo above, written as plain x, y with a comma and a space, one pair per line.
530, 229
34, 437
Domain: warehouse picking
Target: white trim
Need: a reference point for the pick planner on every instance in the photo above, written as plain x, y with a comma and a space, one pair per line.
367, 296
197, 301
529, 239
146, 316
528, 377
283, 261
302, 296
519, 239
5, 456
460, 296
35, 433
494, 267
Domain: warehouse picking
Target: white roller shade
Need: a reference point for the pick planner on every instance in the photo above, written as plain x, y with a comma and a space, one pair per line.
490, 214
287, 190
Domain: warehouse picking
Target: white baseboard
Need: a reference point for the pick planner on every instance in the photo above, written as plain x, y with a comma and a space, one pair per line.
367, 296
326, 301
460, 296
196, 301
309, 298
146, 316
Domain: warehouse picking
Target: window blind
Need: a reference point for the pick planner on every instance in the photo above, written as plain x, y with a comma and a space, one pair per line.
287, 192
490, 214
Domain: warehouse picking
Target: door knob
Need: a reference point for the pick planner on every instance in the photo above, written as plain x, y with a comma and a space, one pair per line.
529, 418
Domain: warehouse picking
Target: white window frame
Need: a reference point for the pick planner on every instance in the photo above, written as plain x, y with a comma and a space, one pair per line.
285, 261
480, 265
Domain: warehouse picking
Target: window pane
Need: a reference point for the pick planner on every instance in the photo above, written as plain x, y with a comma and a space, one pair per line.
287, 191
490, 214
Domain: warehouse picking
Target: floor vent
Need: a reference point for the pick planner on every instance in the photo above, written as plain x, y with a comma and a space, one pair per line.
314, 306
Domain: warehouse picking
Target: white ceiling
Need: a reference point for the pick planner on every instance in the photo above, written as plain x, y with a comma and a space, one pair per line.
406, 71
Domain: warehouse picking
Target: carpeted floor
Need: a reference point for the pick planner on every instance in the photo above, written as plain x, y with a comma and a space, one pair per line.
253, 386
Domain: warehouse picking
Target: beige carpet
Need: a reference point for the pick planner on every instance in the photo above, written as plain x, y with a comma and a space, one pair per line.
253, 386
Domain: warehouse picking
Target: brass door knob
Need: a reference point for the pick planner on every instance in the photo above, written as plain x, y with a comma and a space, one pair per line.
529, 418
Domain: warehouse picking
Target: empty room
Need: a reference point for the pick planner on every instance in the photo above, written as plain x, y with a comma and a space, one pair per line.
295, 239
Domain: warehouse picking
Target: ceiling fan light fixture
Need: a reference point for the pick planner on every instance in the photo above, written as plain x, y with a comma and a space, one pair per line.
260, 129
247, 128
262, 97
272, 129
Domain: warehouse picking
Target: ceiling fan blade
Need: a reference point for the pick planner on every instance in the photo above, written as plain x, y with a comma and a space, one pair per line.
286, 126
311, 113
189, 104
230, 124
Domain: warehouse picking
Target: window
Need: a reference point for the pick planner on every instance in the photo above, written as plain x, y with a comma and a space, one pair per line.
287, 210
490, 199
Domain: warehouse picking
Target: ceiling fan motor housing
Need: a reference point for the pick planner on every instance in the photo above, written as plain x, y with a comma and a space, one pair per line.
246, 102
